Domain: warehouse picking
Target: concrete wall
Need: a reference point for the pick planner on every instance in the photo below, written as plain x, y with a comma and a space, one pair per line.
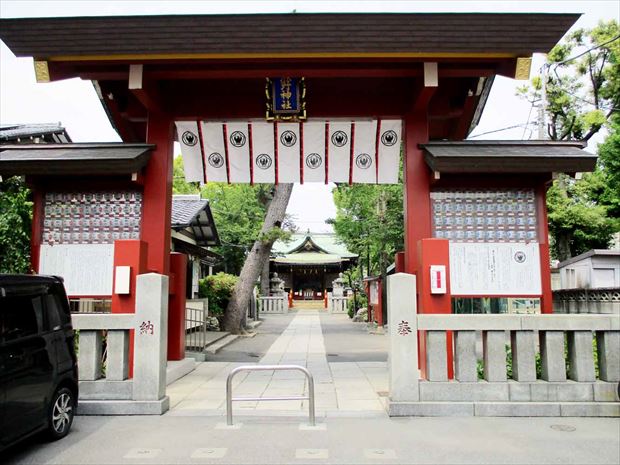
595, 271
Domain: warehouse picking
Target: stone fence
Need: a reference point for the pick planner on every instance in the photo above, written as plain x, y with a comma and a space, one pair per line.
275, 304
601, 300
336, 304
553, 360
106, 388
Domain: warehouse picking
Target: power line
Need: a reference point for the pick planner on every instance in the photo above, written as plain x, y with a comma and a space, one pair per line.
529, 115
584, 52
499, 130
600, 107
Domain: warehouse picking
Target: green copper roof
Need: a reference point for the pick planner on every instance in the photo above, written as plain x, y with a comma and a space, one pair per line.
309, 258
328, 242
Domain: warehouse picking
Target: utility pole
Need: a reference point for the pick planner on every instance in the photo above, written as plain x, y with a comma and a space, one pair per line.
542, 108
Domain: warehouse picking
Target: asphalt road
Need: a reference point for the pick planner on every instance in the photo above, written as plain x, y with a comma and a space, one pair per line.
361, 440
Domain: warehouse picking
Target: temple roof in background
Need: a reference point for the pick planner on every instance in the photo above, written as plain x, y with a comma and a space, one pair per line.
33, 133
311, 249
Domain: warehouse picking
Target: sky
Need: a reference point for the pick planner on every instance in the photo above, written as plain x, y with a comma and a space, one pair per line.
74, 103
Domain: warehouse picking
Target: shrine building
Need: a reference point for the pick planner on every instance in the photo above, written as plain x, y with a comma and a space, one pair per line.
309, 263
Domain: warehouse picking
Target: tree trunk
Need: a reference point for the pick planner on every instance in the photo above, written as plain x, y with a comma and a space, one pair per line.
264, 279
253, 265
563, 246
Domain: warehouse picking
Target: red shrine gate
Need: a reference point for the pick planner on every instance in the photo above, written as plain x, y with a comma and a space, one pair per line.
369, 78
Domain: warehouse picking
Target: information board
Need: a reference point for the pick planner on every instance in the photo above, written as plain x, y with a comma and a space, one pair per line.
374, 293
86, 268
508, 269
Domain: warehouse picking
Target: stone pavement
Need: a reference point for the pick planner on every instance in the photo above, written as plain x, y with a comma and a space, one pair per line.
340, 388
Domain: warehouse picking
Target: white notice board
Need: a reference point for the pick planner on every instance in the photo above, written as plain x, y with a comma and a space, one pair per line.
510, 269
374, 293
86, 268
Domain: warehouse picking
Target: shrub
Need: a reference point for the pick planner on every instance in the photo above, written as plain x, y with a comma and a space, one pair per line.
217, 288
362, 302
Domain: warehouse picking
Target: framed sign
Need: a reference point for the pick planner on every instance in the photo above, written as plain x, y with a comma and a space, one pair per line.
494, 269
374, 293
286, 99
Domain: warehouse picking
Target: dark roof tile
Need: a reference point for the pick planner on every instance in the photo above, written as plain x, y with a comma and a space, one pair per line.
513, 34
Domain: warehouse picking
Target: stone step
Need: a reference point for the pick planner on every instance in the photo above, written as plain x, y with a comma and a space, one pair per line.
199, 340
221, 343
251, 324
308, 304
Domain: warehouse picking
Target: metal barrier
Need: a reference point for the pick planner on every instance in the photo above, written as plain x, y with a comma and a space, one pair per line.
230, 398
195, 329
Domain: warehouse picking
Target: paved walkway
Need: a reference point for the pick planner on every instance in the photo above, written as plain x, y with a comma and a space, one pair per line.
352, 387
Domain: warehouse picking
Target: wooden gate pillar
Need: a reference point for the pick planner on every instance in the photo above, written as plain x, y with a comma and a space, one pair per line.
157, 196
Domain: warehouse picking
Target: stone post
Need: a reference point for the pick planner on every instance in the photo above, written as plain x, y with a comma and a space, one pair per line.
465, 362
436, 356
608, 347
89, 356
403, 327
581, 356
552, 356
118, 355
523, 356
494, 354
151, 337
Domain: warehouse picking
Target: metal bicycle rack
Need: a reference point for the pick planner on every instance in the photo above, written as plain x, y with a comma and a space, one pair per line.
230, 398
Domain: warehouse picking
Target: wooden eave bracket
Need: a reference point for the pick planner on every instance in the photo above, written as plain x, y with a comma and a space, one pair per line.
144, 90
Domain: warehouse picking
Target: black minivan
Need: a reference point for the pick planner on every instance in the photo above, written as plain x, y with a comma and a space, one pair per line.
38, 365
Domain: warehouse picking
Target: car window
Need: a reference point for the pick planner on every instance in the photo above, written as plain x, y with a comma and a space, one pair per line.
21, 315
53, 309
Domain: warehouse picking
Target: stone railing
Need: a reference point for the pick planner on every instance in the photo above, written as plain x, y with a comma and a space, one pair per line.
601, 300
275, 304
336, 304
563, 384
107, 389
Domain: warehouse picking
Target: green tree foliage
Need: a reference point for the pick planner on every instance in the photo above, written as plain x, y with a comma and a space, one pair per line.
577, 222
609, 170
179, 185
583, 82
217, 288
238, 210
583, 96
15, 221
369, 220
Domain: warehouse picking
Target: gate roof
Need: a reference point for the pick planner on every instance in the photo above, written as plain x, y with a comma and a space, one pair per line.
169, 36
213, 67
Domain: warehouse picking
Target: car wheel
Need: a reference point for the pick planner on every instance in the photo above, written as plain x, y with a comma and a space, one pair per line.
61, 411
